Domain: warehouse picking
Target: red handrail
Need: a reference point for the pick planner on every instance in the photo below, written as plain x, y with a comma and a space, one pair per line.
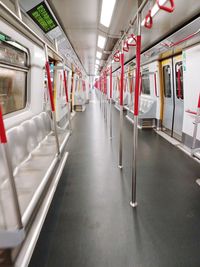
148, 20
50, 86
110, 82
137, 78
3, 138
65, 86
179, 83
166, 8
199, 102
122, 78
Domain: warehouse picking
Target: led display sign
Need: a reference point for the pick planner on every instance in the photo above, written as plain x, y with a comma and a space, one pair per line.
43, 17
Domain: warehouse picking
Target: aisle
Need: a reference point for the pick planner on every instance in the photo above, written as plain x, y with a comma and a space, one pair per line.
90, 222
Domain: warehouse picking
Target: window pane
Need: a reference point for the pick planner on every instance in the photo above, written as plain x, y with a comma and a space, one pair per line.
12, 55
179, 80
12, 90
167, 81
145, 84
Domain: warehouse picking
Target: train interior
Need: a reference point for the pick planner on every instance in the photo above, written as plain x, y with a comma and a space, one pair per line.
99, 133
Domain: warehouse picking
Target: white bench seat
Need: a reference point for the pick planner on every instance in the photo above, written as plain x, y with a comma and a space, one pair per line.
33, 154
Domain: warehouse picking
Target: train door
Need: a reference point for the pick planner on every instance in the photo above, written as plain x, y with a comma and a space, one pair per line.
178, 97
172, 71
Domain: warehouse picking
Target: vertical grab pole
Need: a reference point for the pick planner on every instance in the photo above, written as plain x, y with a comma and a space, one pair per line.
133, 202
105, 84
3, 141
121, 106
196, 126
67, 100
111, 101
52, 100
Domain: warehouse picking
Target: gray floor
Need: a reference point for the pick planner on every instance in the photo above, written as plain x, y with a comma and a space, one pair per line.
91, 223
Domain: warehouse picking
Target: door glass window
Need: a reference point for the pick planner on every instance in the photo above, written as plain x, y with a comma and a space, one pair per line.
145, 84
12, 90
167, 81
179, 80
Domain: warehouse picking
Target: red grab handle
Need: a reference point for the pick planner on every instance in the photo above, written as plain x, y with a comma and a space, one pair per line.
148, 20
199, 102
3, 138
65, 86
116, 56
127, 44
50, 86
166, 8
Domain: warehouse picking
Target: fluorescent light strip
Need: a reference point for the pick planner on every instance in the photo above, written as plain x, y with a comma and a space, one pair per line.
155, 10
107, 12
101, 41
99, 54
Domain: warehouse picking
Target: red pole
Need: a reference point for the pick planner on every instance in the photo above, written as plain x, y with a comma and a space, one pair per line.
3, 138
179, 83
65, 86
111, 82
122, 78
199, 102
50, 86
137, 78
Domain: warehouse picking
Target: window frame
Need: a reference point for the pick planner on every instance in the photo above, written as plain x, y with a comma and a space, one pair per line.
164, 83
25, 69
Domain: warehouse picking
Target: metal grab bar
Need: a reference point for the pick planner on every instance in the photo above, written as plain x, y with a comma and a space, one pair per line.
3, 140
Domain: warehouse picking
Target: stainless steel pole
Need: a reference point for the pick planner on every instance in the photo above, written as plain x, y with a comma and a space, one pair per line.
111, 102
13, 186
52, 102
18, 10
133, 202
121, 108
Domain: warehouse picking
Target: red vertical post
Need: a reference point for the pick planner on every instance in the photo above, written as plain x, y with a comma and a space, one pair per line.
65, 86
122, 78
111, 82
50, 86
179, 83
199, 102
3, 138
137, 78
121, 106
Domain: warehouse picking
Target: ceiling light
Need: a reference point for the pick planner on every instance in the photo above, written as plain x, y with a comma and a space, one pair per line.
99, 54
101, 41
106, 12
155, 10
97, 61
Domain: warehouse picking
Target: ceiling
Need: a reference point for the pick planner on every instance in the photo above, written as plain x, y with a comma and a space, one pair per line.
80, 21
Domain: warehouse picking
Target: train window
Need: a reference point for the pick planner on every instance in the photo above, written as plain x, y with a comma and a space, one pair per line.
12, 90
145, 84
13, 80
167, 81
179, 80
